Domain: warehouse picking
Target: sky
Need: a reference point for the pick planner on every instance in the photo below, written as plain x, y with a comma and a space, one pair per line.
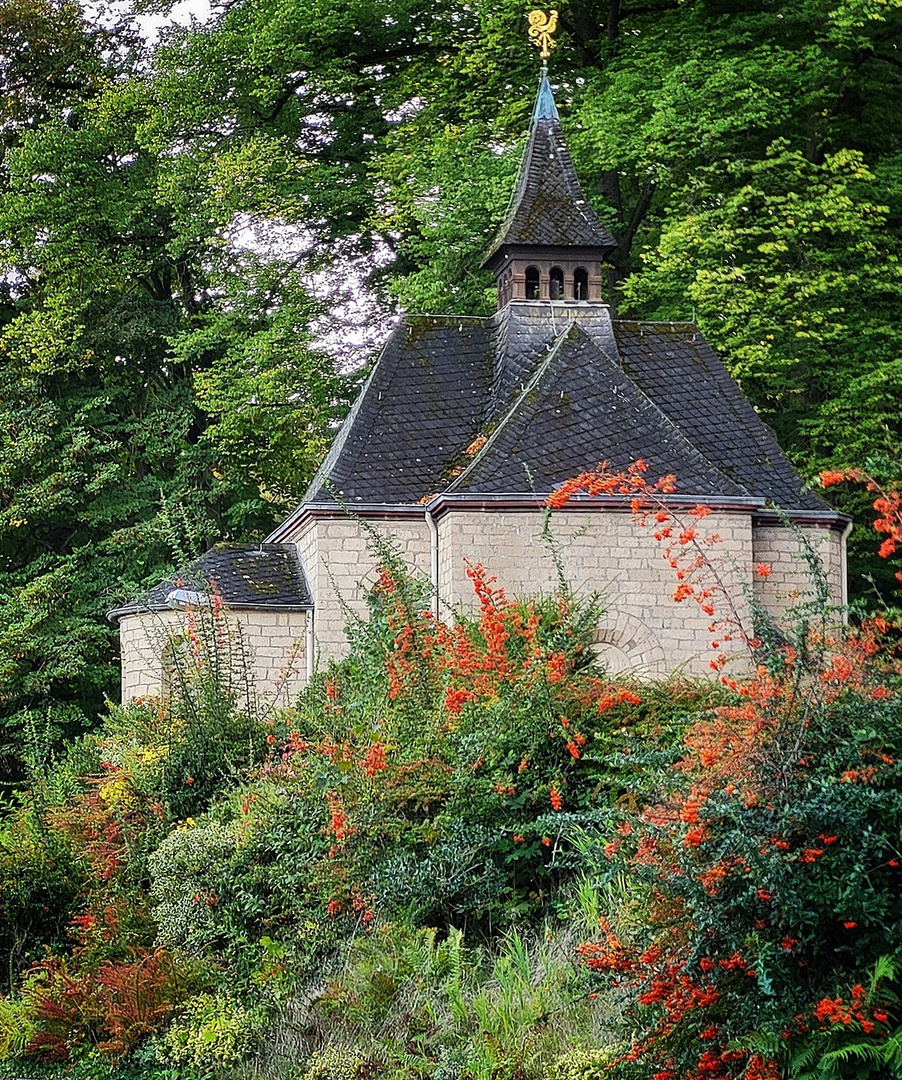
182, 12
150, 25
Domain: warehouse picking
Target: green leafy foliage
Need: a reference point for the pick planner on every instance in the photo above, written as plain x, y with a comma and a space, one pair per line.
149, 361
167, 221
764, 873
465, 852
808, 238
210, 1034
41, 878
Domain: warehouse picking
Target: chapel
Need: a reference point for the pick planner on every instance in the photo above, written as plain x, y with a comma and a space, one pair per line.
466, 425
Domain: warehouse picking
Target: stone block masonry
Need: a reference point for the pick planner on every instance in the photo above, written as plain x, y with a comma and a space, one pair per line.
341, 567
789, 582
644, 630
272, 644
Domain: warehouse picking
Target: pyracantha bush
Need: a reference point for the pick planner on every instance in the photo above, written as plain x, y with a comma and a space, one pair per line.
766, 874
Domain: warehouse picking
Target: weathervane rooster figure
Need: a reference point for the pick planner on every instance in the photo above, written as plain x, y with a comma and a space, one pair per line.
541, 27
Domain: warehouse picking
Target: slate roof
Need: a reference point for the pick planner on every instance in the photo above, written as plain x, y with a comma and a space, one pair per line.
548, 390
544, 390
425, 401
246, 576
678, 369
581, 408
549, 208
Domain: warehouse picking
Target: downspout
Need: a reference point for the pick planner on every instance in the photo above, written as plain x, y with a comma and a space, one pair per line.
844, 571
308, 632
433, 560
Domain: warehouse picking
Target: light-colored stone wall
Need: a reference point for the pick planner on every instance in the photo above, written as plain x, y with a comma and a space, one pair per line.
789, 581
340, 569
274, 645
645, 631
142, 638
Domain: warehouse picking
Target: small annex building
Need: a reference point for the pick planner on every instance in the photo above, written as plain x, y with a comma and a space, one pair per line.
466, 425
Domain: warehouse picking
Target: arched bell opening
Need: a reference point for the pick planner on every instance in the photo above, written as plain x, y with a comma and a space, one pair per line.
532, 283
505, 288
580, 283
556, 283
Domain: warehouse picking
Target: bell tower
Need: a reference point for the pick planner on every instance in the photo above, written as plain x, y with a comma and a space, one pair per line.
551, 245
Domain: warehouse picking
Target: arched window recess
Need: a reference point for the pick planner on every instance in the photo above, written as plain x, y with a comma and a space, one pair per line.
556, 283
532, 283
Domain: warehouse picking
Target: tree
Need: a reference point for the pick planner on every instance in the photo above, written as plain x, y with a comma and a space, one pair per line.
156, 374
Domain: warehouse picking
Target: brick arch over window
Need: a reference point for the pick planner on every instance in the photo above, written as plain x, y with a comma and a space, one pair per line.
627, 645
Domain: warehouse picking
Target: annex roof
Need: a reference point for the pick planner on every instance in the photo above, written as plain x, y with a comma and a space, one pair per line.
246, 577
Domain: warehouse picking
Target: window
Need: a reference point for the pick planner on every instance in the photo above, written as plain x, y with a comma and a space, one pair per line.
532, 283
580, 284
556, 291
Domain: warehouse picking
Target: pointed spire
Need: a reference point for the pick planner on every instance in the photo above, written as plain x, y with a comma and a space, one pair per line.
545, 107
549, 208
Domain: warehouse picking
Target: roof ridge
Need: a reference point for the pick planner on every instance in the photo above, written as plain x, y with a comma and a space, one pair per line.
501, 425
687, 449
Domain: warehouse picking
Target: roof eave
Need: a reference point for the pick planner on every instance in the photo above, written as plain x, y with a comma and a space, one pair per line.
503, 251
117, 614
532, 501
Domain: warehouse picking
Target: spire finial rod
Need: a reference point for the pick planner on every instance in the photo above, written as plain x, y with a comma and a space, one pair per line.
541, 27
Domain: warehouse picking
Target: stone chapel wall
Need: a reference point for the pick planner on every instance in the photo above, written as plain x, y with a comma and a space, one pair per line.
276, 649
780, 548
340, 568
644, 630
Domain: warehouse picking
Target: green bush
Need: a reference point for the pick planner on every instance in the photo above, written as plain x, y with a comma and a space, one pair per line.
41, 878
211, 1033
183, 870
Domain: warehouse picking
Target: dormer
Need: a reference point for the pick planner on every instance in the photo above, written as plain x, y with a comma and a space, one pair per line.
551, 245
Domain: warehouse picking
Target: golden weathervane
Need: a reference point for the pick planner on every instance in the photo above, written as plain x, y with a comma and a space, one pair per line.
541, 27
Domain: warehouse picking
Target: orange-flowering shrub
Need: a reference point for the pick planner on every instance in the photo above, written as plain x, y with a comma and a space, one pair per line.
494, 721
887, 502
768, 865
768, 860
687, 547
